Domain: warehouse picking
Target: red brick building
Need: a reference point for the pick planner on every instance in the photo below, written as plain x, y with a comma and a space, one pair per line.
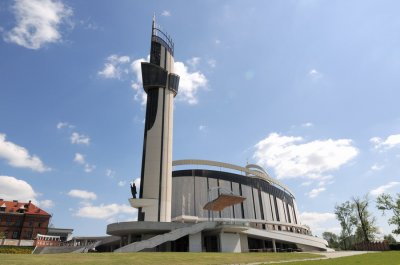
20, 220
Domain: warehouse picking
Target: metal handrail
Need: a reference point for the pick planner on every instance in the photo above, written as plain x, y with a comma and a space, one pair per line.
158, 35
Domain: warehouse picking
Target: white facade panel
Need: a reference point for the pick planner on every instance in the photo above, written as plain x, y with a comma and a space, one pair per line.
257, 205
237, 207
201, 196
227, 212
274, 210
248, 206
266, 206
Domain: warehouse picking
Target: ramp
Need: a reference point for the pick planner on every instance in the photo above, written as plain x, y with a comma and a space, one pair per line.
169, 236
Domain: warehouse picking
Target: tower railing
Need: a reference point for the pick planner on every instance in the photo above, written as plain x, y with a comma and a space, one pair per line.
161, 37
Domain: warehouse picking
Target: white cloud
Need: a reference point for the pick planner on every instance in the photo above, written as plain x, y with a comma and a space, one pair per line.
88, 24
110, 173
390, 142
121, 183
376, 167
314, 74
89, 168
80, 159
375, 140
212, 63
193, 62
16, 189
115, 67
61, 125
189, 84
105, 211
77, 138
38, 22
48, 204
202, 128
315, 192
82, 194
290, 158
18, 156
306, 183
217, 42
384, 188
140, 95
166, 13
325, 180
316, 220
307, 124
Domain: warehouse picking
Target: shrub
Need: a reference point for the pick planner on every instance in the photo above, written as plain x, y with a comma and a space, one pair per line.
15, 250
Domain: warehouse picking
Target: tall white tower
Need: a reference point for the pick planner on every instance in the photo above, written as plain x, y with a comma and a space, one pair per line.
161, 85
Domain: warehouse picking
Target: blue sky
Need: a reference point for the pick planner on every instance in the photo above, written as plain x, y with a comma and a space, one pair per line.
308, 89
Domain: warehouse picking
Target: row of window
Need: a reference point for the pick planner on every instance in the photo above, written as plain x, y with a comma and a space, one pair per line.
12, 222
15, 234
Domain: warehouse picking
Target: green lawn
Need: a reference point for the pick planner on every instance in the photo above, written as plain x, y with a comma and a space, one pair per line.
150, 258
381, 258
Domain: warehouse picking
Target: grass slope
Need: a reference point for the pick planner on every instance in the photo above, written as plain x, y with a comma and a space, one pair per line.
150, 258
381, 258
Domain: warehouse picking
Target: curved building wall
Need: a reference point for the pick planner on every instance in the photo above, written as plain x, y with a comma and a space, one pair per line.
263, 201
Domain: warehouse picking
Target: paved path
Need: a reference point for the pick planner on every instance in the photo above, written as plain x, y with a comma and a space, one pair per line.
339, 254
328, 255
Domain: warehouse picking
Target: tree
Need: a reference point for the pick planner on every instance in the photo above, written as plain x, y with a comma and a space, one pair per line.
385, 202
366, 223
348, 221
332, 238
389, 238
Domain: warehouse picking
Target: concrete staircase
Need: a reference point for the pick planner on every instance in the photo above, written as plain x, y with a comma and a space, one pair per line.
170, 236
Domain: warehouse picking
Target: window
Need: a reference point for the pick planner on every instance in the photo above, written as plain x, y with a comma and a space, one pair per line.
28, 234
30, 223
39, 224
15, 235
18, 222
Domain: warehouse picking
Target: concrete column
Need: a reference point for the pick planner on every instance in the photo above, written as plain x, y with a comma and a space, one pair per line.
244, 243
273, 245
195, 242
129, 238
230, 242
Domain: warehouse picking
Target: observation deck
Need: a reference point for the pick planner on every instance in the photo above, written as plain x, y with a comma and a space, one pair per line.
159, 36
